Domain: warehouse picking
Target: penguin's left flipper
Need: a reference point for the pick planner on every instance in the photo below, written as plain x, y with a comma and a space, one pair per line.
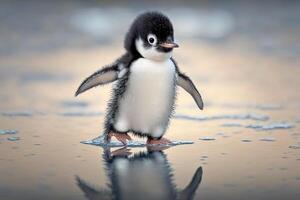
101, 77
186, 83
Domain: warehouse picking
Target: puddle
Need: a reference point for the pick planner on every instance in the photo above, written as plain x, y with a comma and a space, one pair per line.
13, 138
268, 139
80, 114
17, 114
207, 138
246, 140
232, 125
269, 127
296, 146
133, 143
74, 104
8, 132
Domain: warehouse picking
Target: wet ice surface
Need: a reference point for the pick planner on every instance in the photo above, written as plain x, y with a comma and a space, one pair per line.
244, 63
133, 143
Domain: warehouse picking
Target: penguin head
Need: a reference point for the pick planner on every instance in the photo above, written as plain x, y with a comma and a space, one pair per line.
151, 36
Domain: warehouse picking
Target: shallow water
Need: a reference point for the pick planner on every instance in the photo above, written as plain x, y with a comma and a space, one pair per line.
100, 141
246, 142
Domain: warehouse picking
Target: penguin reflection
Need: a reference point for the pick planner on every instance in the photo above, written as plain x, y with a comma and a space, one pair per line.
143, 175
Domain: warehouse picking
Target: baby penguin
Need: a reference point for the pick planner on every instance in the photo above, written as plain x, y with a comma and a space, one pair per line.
146, 78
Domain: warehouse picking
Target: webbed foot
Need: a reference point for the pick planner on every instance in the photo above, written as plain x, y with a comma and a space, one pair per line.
122, 137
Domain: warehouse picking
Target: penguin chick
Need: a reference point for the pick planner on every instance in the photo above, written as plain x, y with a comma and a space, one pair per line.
146, 78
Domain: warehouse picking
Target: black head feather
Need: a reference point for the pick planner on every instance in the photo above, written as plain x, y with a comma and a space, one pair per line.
149, 22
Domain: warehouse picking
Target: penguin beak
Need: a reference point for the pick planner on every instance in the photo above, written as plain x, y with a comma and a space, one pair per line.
169, 45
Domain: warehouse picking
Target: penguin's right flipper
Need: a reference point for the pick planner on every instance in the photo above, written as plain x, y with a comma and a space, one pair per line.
101, 77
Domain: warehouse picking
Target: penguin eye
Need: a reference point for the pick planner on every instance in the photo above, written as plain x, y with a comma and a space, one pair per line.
152, 39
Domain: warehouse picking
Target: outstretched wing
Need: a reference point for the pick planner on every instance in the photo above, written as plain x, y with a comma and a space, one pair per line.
101, 77
107, 74
186, 83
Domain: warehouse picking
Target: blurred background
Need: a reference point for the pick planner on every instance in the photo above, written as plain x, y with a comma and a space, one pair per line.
242, 55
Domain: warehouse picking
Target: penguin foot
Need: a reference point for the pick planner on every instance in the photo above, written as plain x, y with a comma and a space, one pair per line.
122, 137
161, 141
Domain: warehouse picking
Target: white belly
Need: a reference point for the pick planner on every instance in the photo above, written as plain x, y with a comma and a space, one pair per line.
149, 97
